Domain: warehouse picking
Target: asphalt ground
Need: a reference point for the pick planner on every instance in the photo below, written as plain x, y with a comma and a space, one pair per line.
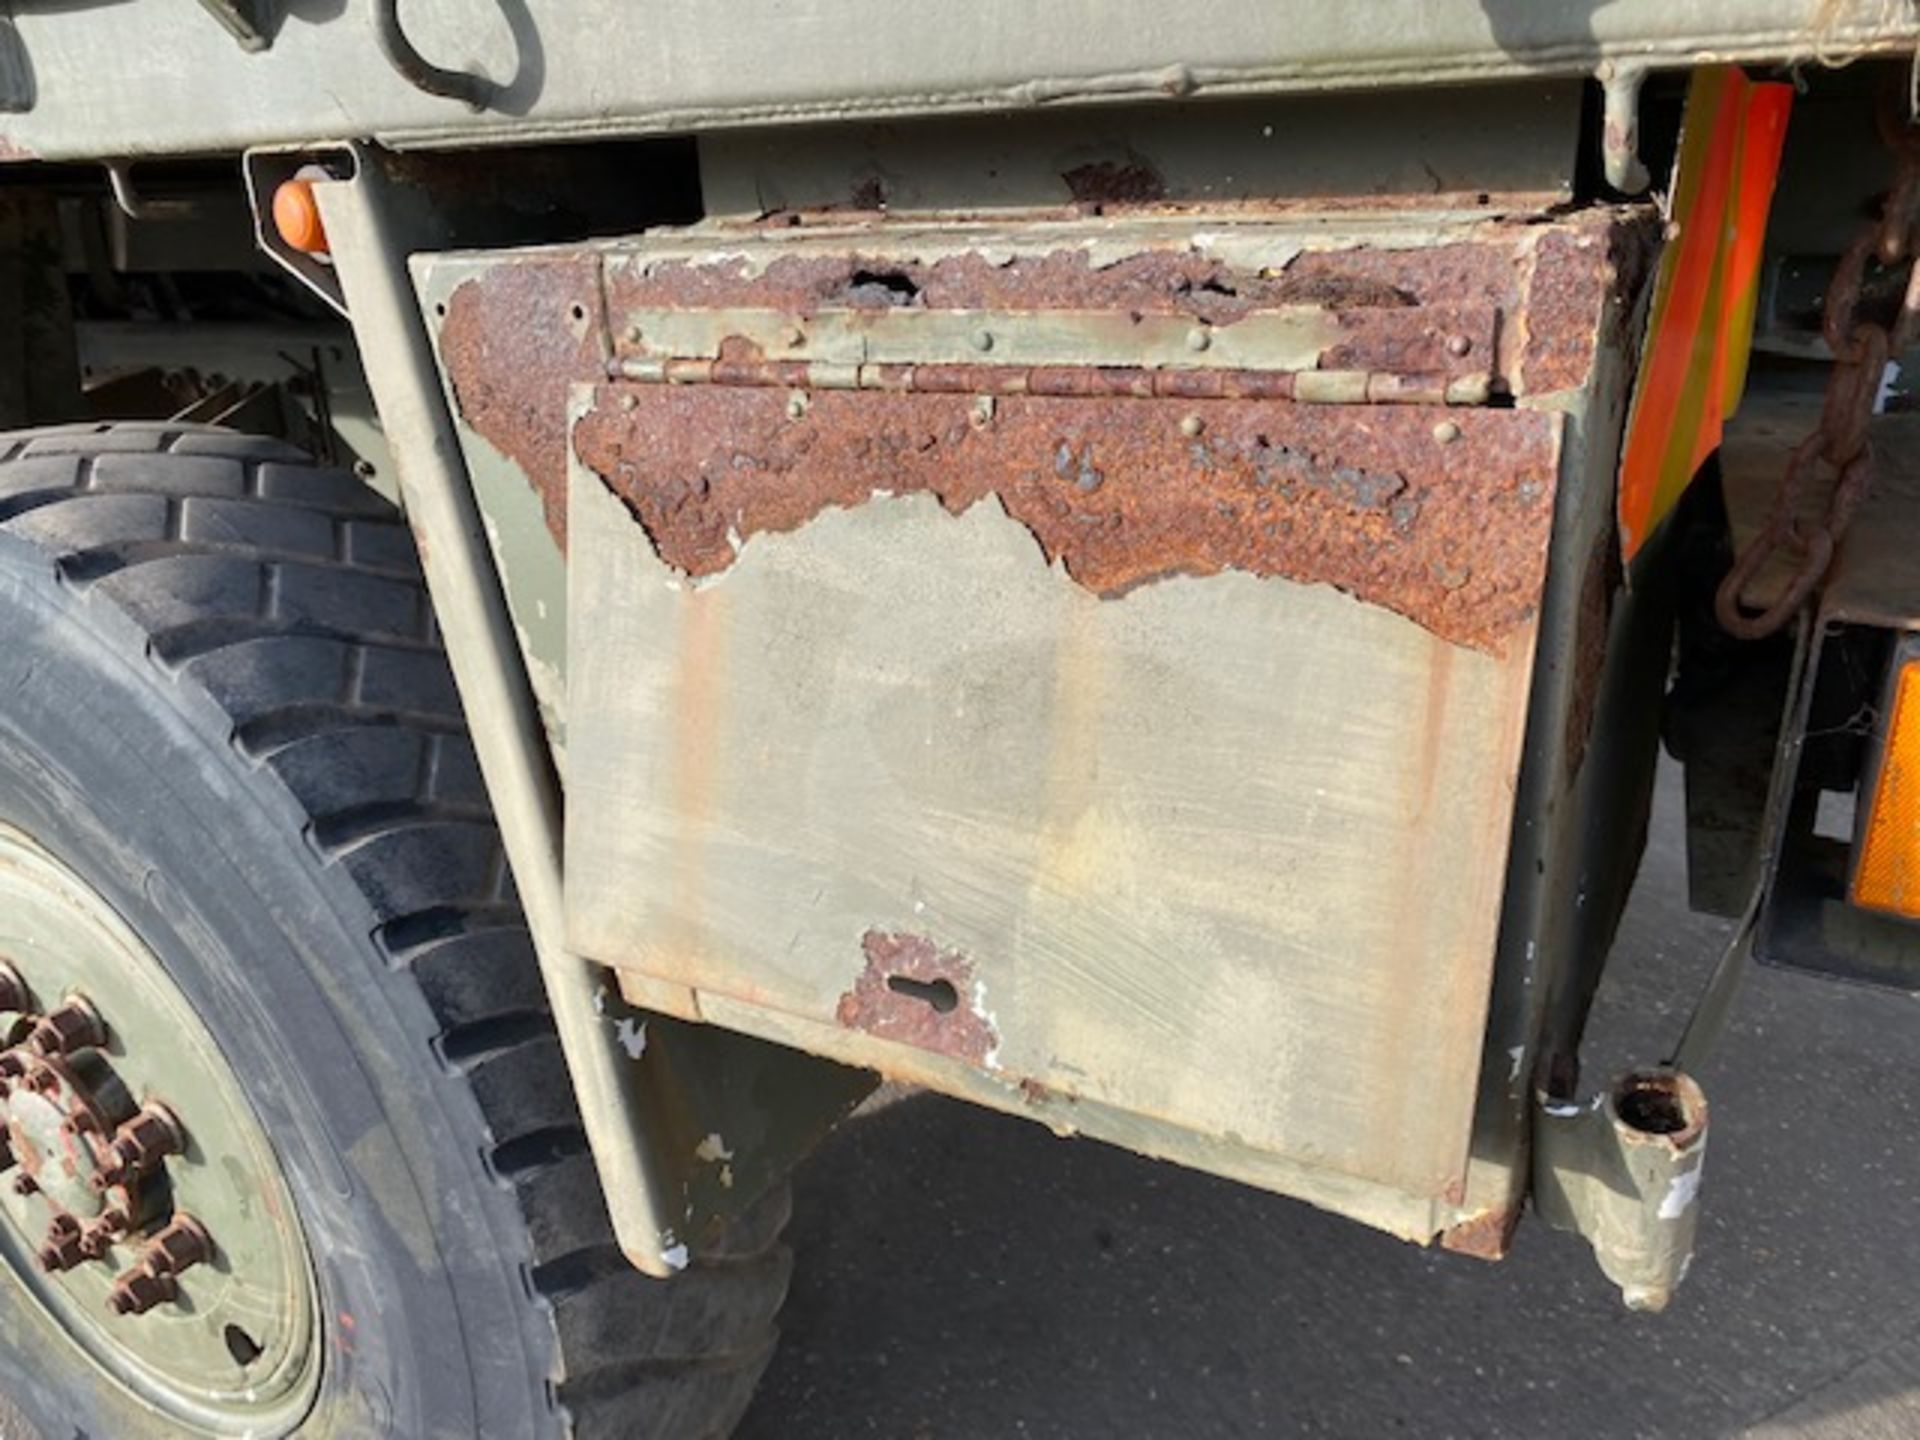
965, 1274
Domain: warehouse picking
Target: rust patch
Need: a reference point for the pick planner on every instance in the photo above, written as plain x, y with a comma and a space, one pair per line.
914, 993
1410, 319
1566, 297
1451, 533
511, 343
1486, 1236
1577, 272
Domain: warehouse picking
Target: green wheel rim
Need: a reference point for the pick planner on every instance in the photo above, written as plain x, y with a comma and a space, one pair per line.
203, 1302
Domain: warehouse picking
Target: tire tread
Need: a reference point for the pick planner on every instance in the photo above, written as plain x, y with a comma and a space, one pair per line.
286, 601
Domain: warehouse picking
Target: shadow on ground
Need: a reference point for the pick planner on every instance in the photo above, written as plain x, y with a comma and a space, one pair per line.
963, 1274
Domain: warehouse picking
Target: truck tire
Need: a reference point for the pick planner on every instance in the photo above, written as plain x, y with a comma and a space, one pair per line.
233, 764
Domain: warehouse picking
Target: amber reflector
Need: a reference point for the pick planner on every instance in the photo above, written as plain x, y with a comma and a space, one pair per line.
296, 215
1886, 875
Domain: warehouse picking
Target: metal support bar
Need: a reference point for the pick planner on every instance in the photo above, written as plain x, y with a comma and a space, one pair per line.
373, 226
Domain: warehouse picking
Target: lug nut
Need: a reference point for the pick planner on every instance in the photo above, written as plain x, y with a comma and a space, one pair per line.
140, 1144
25, 1185
139, 1290
179, 1247
98, 1237
76, 1025
63, 1248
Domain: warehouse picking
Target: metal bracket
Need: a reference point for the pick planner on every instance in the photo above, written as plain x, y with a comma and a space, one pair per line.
1623, 1171
1620, 127
264, 170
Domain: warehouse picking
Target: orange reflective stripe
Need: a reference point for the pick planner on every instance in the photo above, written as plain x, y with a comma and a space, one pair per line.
1678, 336
1762, 138
1694, 362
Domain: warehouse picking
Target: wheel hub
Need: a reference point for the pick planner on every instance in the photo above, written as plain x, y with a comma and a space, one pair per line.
72, 1138
140, 1203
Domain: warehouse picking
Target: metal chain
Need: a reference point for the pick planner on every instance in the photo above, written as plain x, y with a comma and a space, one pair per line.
1860, 350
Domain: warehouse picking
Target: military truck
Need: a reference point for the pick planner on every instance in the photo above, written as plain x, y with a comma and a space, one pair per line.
580, 582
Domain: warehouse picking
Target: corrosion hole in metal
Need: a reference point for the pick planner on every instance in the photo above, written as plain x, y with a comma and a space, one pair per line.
939, 994
577, 311
241, 1346
1652, 1105
882, 287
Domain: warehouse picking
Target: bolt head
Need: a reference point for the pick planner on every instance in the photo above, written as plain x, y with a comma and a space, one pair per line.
1458, 345
76, 1025
1191, 426
139, 1290
177, 1248
982, 339
25, 1185
1446, 431
1198, 339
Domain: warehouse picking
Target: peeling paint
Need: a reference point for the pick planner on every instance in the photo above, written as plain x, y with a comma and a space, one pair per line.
1362, 498
1682, 1193
632, 1035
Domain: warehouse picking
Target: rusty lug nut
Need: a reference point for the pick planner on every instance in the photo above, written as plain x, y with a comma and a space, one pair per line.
12, 1065
76, 1025
63, 1248
139, 1290
113, 1223
143, 1142
98, 1237
25, 1185
178, 1247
